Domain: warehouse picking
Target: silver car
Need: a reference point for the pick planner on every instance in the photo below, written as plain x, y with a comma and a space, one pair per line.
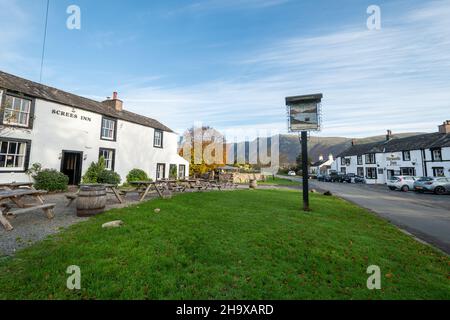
438, 185
403, 183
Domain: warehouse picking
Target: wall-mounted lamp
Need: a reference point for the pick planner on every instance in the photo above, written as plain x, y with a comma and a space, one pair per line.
85, 157
60, 156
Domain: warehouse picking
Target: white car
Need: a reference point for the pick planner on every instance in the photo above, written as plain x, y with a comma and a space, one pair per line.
291, 173
403, 183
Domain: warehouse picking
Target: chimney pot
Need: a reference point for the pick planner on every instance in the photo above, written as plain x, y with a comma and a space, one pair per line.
114, 103
389, 135
445, 127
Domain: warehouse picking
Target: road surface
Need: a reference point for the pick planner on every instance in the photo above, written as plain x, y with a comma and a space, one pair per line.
427, 216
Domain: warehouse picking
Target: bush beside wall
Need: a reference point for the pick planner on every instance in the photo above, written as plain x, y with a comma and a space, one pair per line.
51, 180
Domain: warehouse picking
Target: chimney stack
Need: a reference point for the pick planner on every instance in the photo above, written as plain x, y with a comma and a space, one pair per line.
445, 127
389, 135
114, 103
321, 158
353, 142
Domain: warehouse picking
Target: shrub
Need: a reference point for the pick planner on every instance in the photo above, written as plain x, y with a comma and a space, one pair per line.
109, 177
92, 173
51, 180
137, 175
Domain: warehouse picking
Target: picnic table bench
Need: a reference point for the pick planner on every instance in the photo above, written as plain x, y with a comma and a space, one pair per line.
144, 187
16, 196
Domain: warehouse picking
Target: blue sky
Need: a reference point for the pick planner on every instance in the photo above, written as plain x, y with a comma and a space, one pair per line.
230, 63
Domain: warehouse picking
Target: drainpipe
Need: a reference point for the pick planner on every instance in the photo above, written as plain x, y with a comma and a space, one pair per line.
424, 163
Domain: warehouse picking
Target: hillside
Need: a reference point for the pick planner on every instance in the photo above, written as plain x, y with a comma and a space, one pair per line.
317, 146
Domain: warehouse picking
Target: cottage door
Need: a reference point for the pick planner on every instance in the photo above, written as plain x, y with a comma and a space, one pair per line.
71, 163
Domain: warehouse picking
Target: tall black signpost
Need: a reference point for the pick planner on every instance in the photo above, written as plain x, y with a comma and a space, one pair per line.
304, 116
305, 171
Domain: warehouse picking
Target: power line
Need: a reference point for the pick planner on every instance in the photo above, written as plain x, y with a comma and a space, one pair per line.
43, 43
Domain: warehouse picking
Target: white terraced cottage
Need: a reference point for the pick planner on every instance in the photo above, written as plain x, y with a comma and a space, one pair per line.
66, 132
419, 155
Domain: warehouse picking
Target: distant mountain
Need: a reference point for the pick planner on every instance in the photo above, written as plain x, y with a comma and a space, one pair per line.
317, 146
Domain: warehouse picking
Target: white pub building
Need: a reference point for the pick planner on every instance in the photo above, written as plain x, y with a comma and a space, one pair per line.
419, 155
66, 132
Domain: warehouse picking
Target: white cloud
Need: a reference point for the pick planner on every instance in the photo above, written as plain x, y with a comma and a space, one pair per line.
396, 78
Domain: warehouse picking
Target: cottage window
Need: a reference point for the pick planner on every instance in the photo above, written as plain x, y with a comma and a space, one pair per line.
360, 171
17, 111
436, 154
108, 129
182, 171
108, 155
12, 155
370, 158
344, 170
406, 156
371, 173
407, 171
360, 160
160, 171
158, 139
438, 172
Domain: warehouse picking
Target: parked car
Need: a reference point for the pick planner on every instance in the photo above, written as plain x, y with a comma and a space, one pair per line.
291, 173
359, 179
403, 183
438, 185
336, 177
348, 178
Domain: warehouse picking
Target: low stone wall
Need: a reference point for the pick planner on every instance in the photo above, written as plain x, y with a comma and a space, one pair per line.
245, 177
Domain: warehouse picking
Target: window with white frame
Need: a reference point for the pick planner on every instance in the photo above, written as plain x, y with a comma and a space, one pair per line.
436, 154
182, 171
359, 160
406, 156
371, 173
160, 171
12, 155
360, 171
158, 139
342, 161
108, 155
108, 129
370, 158
17, 111
438, 172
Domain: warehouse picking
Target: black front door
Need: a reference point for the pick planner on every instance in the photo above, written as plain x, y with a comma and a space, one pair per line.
71, 163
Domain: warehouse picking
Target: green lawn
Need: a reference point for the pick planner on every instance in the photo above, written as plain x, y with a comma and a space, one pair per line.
230, 245
280, 182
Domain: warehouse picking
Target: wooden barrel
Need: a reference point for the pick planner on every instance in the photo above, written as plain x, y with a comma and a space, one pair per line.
253, 184
91, 200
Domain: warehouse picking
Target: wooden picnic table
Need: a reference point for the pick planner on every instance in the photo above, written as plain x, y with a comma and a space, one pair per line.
112, 187
16, 196
144, 187
16, 185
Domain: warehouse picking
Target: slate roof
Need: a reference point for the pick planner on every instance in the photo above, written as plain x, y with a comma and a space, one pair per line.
318, 163
421, 141
36, 90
